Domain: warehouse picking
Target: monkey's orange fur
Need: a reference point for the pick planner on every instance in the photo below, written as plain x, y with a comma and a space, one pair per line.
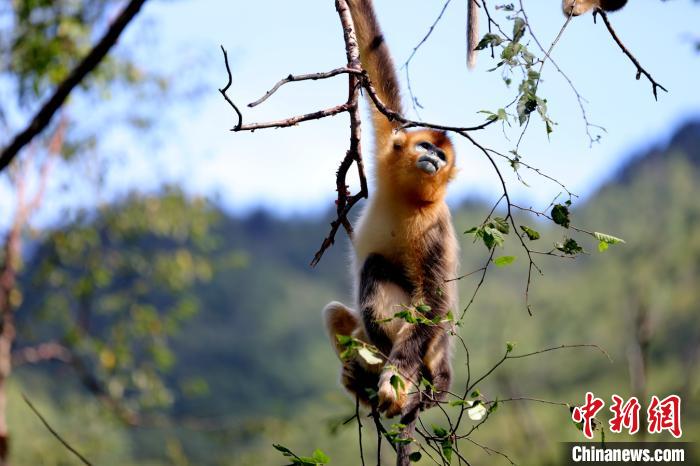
405, 222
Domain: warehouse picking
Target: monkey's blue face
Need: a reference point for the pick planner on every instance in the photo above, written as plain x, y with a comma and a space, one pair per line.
431, 159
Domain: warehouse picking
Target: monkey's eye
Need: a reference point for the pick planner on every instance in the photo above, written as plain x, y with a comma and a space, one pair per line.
423, 146
441, 155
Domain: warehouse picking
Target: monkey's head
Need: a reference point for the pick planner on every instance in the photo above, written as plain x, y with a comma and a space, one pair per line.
423, 164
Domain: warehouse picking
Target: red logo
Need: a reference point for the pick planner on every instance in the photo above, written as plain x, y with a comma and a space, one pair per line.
661, 415
665, 415
625, 415
587, 412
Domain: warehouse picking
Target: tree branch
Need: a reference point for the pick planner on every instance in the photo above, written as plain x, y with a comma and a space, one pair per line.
54, 433
302, 77
640, 69
89, 63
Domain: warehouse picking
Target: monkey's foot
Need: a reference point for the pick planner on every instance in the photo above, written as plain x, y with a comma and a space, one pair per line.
391, 393
340, 320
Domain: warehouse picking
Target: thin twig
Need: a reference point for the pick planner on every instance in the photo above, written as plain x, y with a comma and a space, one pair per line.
303, 77
295, 120
640, 69
579, 98
225, 88
54, 433
414, 100
359, 428
490, 450
555, 348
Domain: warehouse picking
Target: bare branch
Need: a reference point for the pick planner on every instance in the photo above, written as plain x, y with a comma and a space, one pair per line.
295, 119
555, 348
640, 69
490, 450
345, 202
359, 429
225, 88
302, 77
54, 433
89, 63
44, 352
414, 100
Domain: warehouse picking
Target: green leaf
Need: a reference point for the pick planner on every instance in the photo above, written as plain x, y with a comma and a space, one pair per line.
504, 261
500, 115
500, 224
447, 449
531, 234
608, 239
369, 357
407, 316
286, 451
489, 40
344, 340
603, 246
397, 382
320, 457
493, 406
476, 393
423, 308
570, 246
415, 457
518, 29
427, 383
509, 346
492, 237
560, 215
439, 431
526, 105
461, 403
471, 230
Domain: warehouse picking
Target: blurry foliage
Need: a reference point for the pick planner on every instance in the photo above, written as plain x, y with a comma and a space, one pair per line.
45, 39
41, 42
115, 285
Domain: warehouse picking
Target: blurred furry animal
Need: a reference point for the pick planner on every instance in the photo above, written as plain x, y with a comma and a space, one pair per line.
579, 7
472, 32
404, 251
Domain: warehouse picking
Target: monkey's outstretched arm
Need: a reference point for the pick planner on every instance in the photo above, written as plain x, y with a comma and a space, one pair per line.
377, 61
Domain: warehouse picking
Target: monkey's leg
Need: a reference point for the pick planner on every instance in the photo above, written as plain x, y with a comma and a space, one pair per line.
405, 362
356, 377
340, 320
384, 291
438, 371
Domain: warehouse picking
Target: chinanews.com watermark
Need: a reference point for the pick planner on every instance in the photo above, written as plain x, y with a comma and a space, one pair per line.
662, 415
664, 453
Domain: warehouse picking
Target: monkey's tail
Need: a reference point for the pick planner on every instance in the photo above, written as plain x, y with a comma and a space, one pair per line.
403, 450
472, 33
377, 61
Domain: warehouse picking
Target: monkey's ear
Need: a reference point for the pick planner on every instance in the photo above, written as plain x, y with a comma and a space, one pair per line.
398, 140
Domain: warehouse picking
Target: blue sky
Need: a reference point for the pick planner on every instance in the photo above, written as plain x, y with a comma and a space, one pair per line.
292, 170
